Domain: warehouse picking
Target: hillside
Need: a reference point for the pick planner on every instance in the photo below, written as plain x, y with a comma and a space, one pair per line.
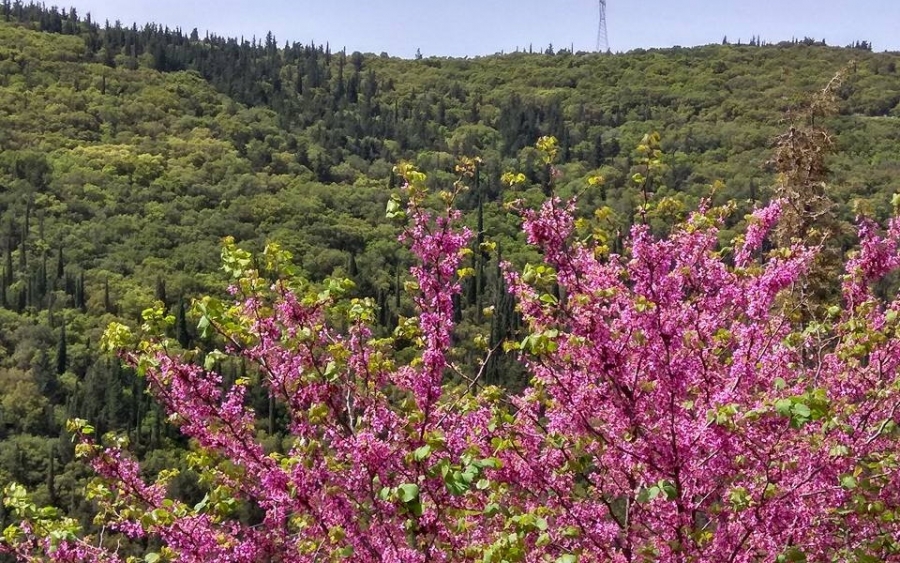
127, 154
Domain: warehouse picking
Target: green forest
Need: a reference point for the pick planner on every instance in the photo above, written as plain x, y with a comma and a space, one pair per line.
127, 155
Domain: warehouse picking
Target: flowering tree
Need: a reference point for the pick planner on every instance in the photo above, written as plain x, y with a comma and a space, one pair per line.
676, 412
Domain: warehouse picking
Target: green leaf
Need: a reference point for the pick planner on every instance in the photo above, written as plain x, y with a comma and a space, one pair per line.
203, 326
801, 410
848, 481
549, 299
669, 489
408, 492
49, 512
456, 483
783, 407
839, 451
469, 474
488, 462
648, 494
331, 372
422, 453
212, 358
792, 555
202, 504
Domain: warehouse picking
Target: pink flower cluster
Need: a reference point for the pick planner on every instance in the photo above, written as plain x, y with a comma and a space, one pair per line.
676, 413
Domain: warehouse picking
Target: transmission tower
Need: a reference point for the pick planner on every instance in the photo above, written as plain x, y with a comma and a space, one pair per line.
602, 38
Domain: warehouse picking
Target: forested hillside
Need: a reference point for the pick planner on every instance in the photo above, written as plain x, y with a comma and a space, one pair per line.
128, 153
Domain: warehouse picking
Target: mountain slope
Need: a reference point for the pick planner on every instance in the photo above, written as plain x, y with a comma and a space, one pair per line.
127, 154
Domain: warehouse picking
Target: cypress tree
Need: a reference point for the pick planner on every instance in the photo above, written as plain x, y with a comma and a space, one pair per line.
339, 87
470, 285
23, 258
181, 328
51, 316
352, 268
51, 475
30, 297
44, 373
480, 257
136, 398
8, 269
79, 292
41, 283
161, 291
381, 298
61, 356
6, 279
107, 304
156, 436
60, 264
397, 288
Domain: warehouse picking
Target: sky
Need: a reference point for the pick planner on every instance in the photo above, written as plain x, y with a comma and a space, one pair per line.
482, 27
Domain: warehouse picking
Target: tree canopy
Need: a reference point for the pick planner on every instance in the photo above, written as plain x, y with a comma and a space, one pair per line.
127, 154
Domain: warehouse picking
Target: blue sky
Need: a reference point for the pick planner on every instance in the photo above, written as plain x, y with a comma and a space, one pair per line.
479, 27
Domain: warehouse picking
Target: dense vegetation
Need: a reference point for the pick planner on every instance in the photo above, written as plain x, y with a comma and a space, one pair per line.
687, 403
127, 154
